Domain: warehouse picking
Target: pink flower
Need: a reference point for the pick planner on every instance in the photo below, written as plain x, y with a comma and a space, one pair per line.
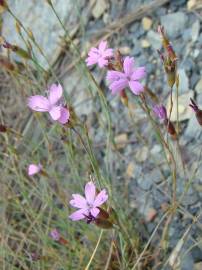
51, 104
34, 169
128, 78
99, 56
55, 235
160, 112
88, 206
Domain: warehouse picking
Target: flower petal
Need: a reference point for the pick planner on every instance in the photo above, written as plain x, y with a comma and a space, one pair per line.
94, 211
138, 73
102, 46
128, 65
55, 93
91, 60
90, 192
136, 87
64, 115
55, 112
38, 103
34, 169
79, 214
108, 53
55, 235
78, 201
102, 62
100, 198
160, 111
117, 86
113, 75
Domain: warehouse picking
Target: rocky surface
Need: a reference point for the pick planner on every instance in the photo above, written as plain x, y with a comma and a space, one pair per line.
38, 16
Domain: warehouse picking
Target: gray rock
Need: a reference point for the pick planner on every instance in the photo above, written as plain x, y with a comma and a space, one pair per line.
145, 183
136, 50
190, 198
141, 61
186, 35
198, 266
174, 23
195, 53
156, 149
198, 87
156, 176
200, 39
199, 99
179, 3
184, 81
195, 30
194, 79
154, 39
142, 201
116, 8
188, 64
187, 262
137, 33
78, 90
38, 16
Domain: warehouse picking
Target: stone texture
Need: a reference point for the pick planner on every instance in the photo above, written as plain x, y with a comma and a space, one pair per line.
193, 129
183, 106
198, 86
174, 23
145, 43
43, 23
121, 140
183, 81
146, 23
99, 8
154, 39
142, 154
76, 87
195, 30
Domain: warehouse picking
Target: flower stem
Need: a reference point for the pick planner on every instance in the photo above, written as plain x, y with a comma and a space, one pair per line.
95, 250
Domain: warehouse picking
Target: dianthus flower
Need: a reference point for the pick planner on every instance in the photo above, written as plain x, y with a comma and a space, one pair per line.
88, 206
197, 111
100, 55
55, 235
52, 104
129, 77
160, 111
34, 169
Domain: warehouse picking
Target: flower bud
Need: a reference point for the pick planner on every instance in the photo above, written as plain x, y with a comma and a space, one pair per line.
197, 111
3, 128
103, 223
103, 214
5, 63
3, 6
170, 60
55, 235
124, 98
170, 69
160, 112
21, 52
170, 128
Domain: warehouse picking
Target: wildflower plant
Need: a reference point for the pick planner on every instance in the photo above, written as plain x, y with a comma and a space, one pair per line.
51, 104
128, 77
71, 152
88, 206
34, 169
